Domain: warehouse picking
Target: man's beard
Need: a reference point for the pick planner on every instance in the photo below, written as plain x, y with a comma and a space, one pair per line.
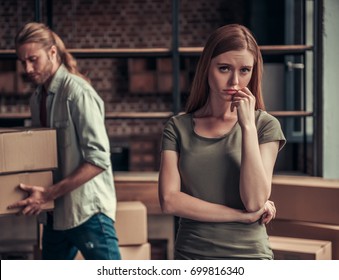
44, 75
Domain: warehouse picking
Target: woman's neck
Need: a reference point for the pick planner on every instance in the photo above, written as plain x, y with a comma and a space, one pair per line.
216, 110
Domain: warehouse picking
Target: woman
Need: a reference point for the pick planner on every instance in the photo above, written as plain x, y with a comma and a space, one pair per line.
217, 160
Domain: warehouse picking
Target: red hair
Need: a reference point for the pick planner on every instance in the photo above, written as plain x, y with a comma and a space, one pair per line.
226, 38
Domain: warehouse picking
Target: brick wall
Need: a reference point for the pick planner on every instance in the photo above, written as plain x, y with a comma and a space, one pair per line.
125, 84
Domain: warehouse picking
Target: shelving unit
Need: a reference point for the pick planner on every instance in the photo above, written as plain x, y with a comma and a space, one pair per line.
162, 52
176, 53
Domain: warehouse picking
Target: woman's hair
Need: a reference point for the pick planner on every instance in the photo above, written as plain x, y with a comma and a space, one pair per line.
230, 37
35, 32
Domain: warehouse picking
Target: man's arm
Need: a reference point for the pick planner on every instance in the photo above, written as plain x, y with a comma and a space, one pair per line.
38, 195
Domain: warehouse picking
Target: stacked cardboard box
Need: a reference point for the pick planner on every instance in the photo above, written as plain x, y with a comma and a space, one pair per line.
287, 248
307, 208
131, 229
306, 199
143, 154
149, 75
17, 236
307, 230
27, 156
165, 76
142, 75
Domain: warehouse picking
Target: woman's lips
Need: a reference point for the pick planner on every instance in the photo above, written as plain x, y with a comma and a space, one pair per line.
231, 91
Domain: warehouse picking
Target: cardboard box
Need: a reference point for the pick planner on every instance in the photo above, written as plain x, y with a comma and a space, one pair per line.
164, 65
137, 65
19, 228
131, 223
24, 149
144, 82
287, 248
136, 252
7, 82
307, 230
307, 199
139, 186
10, 192
165, 82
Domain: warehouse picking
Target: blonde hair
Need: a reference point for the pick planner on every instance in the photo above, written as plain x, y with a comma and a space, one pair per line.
35, 32
226, 38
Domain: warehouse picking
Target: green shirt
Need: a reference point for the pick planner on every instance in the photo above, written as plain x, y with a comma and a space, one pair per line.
76, 111
210, 170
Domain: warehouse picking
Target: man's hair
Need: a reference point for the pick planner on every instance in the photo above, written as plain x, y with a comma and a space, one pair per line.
35, 32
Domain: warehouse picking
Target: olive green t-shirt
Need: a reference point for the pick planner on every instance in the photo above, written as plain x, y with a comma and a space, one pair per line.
210, 170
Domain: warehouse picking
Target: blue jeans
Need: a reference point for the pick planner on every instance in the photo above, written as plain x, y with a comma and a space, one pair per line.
96, 240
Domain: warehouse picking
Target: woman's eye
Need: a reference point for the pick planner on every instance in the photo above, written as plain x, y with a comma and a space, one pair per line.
245, 70
224, 69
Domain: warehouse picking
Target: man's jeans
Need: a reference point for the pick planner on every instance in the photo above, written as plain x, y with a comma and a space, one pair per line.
96, 239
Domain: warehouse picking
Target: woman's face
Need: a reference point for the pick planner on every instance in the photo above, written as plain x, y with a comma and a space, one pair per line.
230, 72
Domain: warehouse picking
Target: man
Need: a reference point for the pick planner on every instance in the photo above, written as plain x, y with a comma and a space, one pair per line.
83, 189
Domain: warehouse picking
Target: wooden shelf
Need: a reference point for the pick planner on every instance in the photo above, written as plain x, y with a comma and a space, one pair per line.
273, 49
138, 115
291, 113
9, 54
161, 52
285, 49
109, 115
106, 53
123, 52
155, 115
15, 116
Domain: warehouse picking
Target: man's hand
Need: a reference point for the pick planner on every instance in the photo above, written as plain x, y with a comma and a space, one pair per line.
32, 205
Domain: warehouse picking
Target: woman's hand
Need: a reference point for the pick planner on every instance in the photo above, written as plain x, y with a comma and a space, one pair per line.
264, 215
269, 212
244, 101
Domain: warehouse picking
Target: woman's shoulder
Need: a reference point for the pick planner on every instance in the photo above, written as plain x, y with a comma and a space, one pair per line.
264, 116
179, 122
183, 118
265, 120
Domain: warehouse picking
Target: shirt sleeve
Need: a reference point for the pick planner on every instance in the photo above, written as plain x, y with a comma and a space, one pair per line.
170, 137
269, 130
89, 119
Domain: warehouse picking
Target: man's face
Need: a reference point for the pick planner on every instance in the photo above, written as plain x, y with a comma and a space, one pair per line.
39, 63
